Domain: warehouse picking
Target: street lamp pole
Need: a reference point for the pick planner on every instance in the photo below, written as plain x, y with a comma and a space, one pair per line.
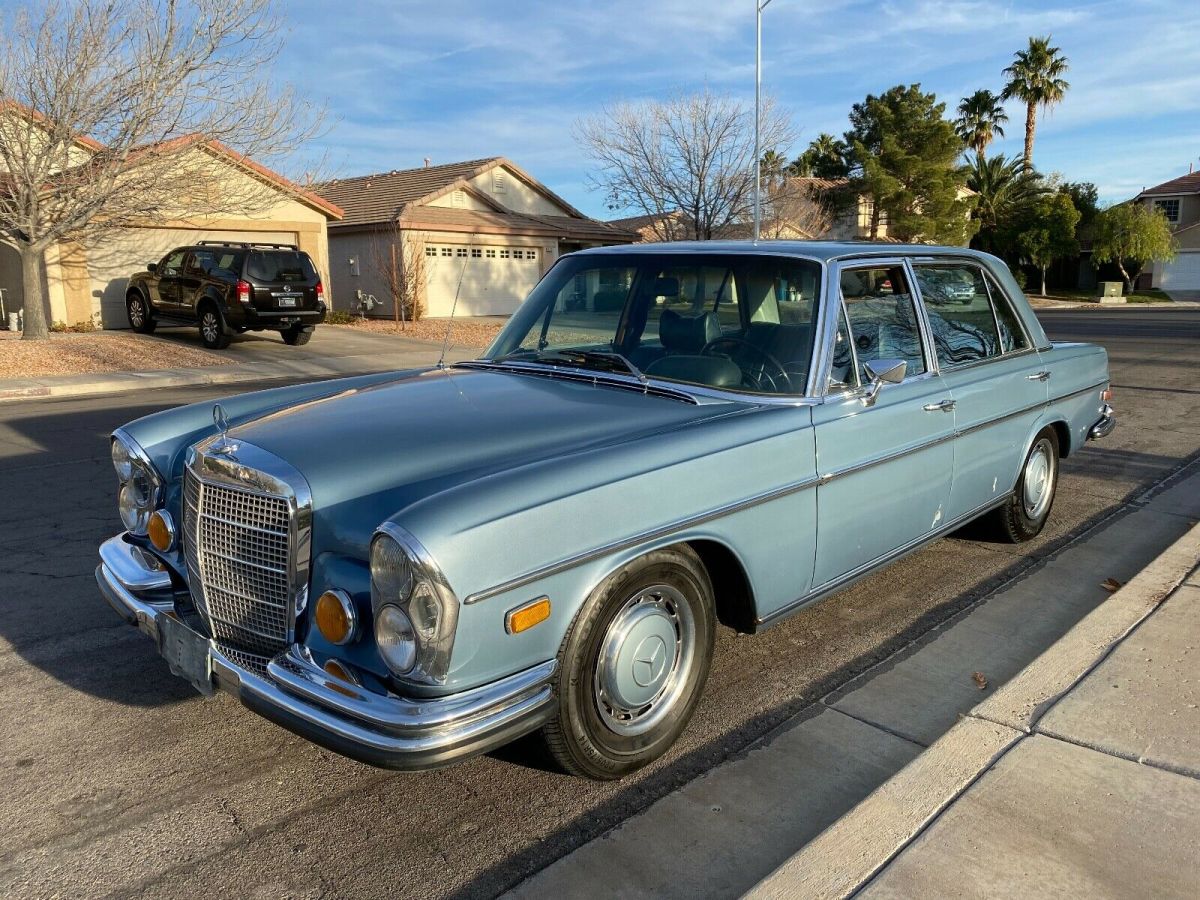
759, 6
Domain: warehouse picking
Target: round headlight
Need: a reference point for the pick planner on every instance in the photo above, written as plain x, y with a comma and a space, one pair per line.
396, 639
134, 502
122, 461
391, 572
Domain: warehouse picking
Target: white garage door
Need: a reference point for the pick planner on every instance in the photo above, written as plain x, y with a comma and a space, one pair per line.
1182, 273
110, 264
494, 279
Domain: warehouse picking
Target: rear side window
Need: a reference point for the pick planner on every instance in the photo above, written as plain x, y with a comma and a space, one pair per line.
280, 266
1012, 335
960, 313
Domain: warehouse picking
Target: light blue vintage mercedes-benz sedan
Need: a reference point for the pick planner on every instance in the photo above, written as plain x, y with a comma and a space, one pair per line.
413, 567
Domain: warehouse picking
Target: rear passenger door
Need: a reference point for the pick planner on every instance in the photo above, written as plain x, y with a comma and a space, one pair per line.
993, 371
884, 467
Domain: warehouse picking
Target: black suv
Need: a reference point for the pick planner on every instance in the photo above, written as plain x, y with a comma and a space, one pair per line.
228, 287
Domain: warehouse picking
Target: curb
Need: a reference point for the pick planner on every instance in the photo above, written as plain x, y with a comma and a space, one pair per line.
848, 854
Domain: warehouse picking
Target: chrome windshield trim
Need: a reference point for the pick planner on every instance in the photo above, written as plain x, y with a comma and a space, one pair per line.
640, 538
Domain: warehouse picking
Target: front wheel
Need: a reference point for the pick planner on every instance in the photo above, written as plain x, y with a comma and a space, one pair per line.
633, 665
1024, 516
138, 312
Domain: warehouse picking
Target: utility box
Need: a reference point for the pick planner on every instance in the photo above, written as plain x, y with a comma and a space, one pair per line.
1110, 289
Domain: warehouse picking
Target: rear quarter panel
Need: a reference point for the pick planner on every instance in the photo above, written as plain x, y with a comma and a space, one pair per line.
1078, 376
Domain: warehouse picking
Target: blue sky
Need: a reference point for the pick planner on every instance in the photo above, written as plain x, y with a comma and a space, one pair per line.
457, 80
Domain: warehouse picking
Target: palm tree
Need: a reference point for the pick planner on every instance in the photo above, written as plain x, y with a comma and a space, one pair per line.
1003, 187
824, 158
1035, 78
981, 119
771, 168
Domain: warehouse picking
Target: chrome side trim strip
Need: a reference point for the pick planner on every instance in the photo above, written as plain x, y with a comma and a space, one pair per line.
640, 538
843, 581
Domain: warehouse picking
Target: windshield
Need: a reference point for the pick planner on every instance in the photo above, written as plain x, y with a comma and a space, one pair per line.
732, 321
280, 266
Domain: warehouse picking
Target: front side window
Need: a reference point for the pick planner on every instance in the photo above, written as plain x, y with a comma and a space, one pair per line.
732, 321
881, 318
172, 263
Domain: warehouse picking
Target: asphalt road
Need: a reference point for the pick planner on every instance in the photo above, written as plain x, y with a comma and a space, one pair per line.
122, 781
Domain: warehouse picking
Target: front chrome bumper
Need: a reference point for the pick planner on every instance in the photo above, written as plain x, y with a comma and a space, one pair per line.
381, 729
1105, 425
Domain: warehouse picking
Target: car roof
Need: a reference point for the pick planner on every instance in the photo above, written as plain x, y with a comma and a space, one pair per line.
819, 250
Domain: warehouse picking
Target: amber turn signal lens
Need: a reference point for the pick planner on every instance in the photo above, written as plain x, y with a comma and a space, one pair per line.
334, 616
161, 531
337, 670
1106, 395
525, 617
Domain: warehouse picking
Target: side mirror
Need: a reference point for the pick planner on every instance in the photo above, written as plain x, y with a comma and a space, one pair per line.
151, 268
881, 372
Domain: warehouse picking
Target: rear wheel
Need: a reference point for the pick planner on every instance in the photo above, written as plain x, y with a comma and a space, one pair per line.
297, 335
633, 665
1024, 516
138, 312
212, 329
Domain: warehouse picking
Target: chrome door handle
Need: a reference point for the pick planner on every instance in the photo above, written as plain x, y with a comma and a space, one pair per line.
941, 406
1038, 376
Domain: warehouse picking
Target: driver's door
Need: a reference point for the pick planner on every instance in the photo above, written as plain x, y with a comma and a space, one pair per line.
885, 466
170, 276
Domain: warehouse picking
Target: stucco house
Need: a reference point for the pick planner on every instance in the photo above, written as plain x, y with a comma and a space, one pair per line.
1179, 200
87, 281
484, 230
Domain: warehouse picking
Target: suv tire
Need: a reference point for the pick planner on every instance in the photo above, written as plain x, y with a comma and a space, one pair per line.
297, 335
138, 313
213, 332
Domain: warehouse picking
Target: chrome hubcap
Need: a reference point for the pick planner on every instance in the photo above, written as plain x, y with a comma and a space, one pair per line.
645, 658
210, 326
1038, 479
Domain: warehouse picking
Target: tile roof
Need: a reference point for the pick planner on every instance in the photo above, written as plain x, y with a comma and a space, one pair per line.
436, 218
1184, 184
368, 199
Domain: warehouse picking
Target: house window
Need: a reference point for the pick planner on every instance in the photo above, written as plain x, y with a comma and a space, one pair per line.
505, 253
461, 252
1170, 208
458, 198
531, 254
491, 254
431, 251
446, 251
476, 253
498, 181
518, 254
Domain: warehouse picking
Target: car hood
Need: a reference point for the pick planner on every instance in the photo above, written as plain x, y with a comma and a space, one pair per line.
369, 453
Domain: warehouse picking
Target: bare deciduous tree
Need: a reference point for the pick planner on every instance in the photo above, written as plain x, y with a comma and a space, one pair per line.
130, 112
687, 160
398, 260
793, 208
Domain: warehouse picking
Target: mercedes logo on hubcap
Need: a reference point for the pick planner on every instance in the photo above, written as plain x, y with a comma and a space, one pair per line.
649, 661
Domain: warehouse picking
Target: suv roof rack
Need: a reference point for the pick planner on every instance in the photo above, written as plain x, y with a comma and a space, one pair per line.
246, 244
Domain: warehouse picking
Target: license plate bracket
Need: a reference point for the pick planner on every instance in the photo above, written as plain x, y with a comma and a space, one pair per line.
186, 653
287, 301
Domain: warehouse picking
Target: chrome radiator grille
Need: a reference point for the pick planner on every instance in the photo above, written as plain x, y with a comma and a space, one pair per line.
237, 547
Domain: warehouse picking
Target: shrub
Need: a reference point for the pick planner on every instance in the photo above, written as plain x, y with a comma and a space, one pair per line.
338, 317
82, 327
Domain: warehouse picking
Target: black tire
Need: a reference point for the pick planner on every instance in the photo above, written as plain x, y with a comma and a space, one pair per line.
137, 310
1019, 520
213, 332
297, 335
589, 736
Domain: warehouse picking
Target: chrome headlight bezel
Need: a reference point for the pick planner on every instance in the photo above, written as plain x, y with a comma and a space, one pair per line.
140, 490
404, 576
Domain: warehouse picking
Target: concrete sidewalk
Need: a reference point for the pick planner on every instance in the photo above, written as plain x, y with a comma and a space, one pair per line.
334, 352
1081, 777
837, 762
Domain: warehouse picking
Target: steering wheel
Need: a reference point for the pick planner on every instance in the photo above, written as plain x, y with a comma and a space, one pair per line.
756, 372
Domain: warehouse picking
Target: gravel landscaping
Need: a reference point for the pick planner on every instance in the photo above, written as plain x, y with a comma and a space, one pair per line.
88, 354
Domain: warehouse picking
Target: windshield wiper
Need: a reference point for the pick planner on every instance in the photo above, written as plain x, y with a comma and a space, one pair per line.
570, 355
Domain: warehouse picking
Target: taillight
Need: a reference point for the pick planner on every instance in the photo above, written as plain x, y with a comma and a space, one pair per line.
1106, 395
243, 289
320, 291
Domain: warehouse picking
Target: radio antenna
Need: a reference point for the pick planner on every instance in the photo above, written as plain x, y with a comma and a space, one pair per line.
441, 363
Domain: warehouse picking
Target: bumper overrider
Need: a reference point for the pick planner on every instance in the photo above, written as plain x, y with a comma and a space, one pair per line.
1104, 425
381, 729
